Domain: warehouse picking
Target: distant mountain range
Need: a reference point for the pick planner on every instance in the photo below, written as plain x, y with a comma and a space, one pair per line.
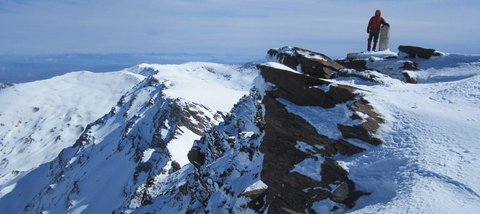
27, 68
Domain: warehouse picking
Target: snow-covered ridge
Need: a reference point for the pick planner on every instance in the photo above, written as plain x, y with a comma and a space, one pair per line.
141, 106
361, 141
194, 82
39, 119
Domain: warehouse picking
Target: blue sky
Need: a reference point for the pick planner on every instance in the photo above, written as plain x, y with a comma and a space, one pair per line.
246, 27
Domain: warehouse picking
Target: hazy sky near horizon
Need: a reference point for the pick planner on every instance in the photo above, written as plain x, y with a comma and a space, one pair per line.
246, 27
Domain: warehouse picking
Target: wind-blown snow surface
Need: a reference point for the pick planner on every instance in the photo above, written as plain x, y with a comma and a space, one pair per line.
429, 160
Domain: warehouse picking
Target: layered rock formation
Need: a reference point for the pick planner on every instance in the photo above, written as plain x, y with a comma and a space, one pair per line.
290, 191
414, 51
309, 62
269, 155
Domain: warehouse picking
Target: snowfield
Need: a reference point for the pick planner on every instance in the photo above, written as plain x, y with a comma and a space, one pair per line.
196, 82
429, 161
39, 119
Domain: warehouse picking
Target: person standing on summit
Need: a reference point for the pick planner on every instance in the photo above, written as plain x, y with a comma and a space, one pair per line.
373, 29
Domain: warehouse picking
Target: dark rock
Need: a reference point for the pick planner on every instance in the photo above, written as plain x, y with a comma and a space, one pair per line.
175, 166
332, 172
303, 90
196, 157
341, 192
311, 63
257, 200
359, 132
358, 65
414, 52
409, 78
345, 148
186, 111
286, 189
365, 130
409, 65
345, 192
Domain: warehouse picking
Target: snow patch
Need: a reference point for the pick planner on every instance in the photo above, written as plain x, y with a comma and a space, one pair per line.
310, 167
180, 146
256, 186
280, 67
324, 120
147, 154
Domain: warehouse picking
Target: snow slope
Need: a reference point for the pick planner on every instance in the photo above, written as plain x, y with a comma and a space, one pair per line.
129, 144
429, 160
210, 84
39, 119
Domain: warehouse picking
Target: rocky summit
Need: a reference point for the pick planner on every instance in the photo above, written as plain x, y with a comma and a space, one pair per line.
298, 133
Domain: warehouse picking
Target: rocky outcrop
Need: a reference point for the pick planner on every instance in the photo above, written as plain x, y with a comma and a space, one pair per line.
193, 117
409, 77
262, 140
357, 64
409, 65
196, 157
367, 129
309, 62
300, 89
414, 52
289, 191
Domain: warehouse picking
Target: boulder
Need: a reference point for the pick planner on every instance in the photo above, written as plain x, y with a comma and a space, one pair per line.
409, 65
175, 167
196, 157
409, 77
414, 52
306, 61
358, 65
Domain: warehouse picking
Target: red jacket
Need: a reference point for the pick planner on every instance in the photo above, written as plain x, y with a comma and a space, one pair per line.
374, 24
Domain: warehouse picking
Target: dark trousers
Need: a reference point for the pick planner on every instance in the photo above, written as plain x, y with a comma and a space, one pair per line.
373, 36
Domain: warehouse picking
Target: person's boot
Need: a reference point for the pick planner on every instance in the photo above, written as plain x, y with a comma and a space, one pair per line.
369, 44
374, 46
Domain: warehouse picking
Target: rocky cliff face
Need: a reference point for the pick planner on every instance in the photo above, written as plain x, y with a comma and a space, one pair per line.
277, 150
293, 142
